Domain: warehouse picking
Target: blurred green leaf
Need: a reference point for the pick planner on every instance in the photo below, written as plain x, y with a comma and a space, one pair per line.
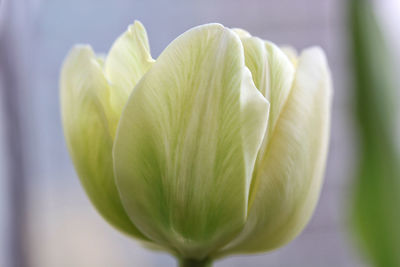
376, 210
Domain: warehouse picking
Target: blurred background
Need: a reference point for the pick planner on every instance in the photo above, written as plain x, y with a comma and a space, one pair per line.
46, 219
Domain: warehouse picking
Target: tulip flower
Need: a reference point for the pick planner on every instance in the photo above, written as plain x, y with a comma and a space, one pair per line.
215, 148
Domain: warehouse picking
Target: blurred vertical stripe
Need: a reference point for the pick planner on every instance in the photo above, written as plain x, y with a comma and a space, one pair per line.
376, 209
14, 32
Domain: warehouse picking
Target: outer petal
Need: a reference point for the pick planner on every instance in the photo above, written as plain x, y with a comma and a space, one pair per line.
187, 142
128, 60
89, 124
288, 180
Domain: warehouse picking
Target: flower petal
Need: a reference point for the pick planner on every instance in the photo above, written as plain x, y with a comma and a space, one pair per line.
272, 72
128, 60
89, 125
288, 180
187, 141
256, 59
273, 75
241, 33
291, 53
281, 75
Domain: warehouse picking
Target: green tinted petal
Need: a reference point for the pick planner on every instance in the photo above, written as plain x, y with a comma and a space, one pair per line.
128, 60
256, 59
288, 180
187, 142
89, 124
281, 75
273, 75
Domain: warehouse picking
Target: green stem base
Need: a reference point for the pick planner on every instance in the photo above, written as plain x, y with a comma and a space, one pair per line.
195, 263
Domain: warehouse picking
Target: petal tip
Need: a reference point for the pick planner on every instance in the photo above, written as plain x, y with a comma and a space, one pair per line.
211, 25
314, 51
137, 25
315, 57
79, 51
84, 49
241, 33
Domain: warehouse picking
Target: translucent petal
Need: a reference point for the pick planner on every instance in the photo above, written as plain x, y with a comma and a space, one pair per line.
289, 177
273, 75
187, 142
256, 59
281, 75
128, 60
89, 124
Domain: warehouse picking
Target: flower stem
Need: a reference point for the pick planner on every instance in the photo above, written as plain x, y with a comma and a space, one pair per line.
195, 263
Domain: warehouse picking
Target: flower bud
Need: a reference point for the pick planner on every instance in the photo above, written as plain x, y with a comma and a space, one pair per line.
217, 147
